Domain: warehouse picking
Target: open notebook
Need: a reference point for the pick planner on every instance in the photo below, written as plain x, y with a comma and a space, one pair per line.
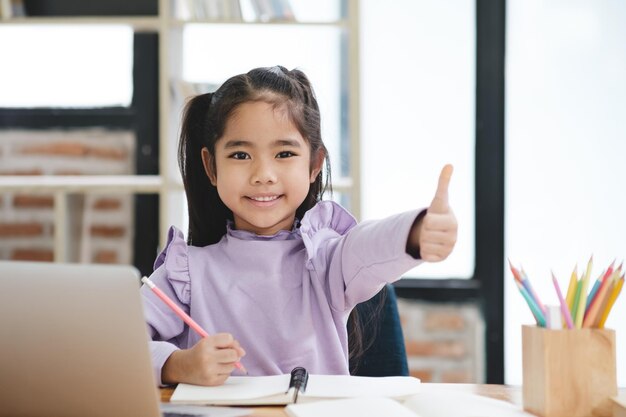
440, 403
280, 389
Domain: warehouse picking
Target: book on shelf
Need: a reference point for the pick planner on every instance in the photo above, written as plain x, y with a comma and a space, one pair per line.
11, 8
217, 10
297, 387
273, 10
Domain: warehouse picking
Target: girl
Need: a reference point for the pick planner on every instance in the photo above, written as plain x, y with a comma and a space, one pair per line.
268, 266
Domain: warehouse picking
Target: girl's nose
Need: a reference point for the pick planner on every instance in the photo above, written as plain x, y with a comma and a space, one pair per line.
263, 173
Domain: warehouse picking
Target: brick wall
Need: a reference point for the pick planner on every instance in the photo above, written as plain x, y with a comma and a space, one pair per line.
444, 341
100, 226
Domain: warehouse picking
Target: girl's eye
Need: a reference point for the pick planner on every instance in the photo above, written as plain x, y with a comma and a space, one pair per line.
240, 155
285, 154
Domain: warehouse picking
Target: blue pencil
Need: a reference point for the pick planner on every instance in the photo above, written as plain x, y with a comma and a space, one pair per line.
539, 317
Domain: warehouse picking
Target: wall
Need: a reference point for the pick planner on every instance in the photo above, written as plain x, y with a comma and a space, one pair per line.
444, 341
101, 226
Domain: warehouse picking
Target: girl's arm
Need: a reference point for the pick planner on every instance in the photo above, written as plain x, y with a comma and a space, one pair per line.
374, 253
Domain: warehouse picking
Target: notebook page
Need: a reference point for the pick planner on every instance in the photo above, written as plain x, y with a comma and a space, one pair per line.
452, 403
352, 407
345, 386
235, 390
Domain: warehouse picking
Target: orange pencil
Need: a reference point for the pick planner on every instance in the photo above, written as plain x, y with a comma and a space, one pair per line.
609, 305
596, 304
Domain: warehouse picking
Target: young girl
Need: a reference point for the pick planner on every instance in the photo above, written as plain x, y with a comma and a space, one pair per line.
269, 270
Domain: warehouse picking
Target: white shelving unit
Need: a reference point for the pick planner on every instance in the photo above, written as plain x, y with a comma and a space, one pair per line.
168, 185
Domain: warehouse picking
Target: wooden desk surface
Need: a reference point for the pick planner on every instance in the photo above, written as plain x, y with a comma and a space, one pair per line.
512, 394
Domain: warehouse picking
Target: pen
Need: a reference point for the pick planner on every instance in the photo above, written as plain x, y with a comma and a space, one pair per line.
181, 313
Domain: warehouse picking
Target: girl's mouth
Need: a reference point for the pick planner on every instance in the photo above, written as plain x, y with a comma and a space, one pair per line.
265, 200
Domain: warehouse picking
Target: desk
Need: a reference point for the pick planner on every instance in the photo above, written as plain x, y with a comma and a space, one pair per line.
512, 394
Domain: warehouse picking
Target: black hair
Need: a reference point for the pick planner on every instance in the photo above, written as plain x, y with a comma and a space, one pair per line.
204, 121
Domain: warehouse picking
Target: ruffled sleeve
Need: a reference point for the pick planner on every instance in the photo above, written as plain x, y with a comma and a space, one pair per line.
325, 221
175, 260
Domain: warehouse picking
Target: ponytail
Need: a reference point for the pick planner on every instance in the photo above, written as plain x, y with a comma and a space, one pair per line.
207, 212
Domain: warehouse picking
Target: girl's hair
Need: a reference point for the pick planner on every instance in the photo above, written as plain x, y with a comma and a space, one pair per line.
204, 121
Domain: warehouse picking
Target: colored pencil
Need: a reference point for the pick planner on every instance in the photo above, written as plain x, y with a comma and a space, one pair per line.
612, 298
564, 308
579, 284
571, 289
531, 291
539, 317
582, 303
595, 308
181, 313
596, 285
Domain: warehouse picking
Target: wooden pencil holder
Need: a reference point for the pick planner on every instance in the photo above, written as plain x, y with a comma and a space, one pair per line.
568, 372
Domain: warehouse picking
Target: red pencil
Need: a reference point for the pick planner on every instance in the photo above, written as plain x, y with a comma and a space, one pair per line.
181, 313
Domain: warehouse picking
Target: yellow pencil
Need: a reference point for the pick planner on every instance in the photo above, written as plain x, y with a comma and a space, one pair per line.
582, 302
571, 290
612, 298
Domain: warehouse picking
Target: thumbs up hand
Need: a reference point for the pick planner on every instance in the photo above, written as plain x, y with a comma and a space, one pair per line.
434, 235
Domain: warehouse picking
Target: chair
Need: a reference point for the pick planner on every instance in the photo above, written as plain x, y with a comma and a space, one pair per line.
386, 356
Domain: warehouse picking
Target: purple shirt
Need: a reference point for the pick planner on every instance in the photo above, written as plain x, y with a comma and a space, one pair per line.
285, 298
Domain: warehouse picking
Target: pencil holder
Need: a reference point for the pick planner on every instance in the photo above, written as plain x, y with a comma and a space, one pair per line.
568, 372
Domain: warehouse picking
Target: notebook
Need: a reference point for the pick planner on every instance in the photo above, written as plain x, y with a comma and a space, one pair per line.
296, 387
74, 343
428, 403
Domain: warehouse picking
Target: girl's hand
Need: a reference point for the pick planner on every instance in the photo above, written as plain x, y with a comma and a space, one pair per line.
435, 234
209, 362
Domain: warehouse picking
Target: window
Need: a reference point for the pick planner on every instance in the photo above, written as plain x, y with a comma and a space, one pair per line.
44, 70
417, 113
565, 112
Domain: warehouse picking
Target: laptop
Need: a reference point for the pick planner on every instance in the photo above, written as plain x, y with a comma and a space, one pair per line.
73, 342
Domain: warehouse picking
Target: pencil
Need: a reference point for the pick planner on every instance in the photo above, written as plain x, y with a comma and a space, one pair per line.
181, 313
571, 289
564, 308
596, 285
596, 305
576, 299
539, 317
532, 292
515, 272
582, 302
612, 298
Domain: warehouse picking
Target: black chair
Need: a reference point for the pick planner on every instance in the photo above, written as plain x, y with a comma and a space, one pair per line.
385, 354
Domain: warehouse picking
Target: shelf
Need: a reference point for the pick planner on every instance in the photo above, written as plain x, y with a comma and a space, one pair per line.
138, 23
139, 184
181, 22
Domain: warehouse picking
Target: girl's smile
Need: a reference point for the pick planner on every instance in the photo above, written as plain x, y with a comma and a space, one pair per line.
265, 201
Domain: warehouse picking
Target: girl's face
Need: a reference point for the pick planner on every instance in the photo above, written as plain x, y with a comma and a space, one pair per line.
263, 168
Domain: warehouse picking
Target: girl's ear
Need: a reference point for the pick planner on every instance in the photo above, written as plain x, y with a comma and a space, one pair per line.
209, 166
316, 165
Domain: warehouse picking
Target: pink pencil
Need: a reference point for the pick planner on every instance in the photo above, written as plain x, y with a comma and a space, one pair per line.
564, 308
181, 313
